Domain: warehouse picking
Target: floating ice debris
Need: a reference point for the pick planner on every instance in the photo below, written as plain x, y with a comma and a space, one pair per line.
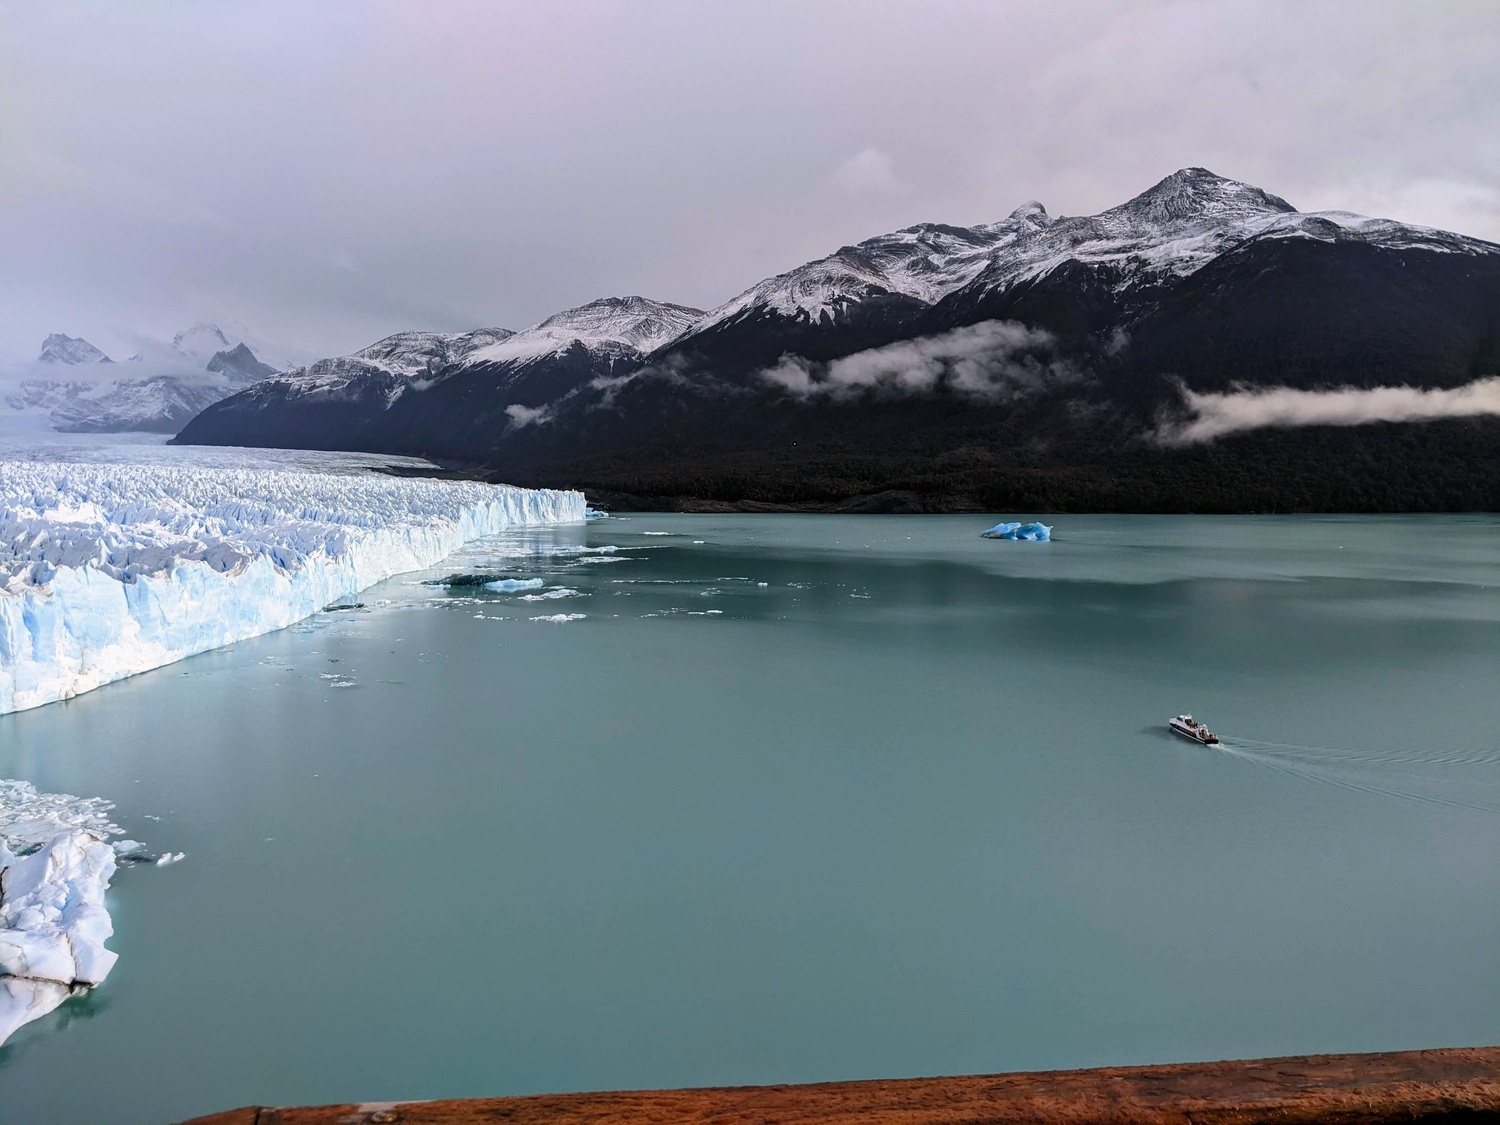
510, 585
1037, 532
595, 514
489, 581
336, 606
552, 594
55, 864
561, 617
132, 851
173, 857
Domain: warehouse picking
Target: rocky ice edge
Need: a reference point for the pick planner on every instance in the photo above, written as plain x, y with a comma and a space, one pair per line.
107, 570
55, 865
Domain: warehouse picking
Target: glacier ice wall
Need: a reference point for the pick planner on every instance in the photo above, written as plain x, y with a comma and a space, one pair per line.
107, 570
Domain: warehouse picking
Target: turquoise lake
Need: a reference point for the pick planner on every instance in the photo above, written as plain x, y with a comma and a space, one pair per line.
799, 798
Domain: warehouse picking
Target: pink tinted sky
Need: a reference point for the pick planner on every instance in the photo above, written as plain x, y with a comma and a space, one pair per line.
327, 173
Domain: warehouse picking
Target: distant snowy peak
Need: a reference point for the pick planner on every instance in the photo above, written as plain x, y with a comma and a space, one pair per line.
239, 362
202, 341
610, 326
1196, 194
416, 353
205, 340
58, 348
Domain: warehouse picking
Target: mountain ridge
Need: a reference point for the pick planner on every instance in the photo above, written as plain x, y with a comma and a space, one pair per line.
1038, 343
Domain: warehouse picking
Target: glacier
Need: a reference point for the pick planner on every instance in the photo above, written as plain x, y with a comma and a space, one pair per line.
110, 569
1033, 532
55, 865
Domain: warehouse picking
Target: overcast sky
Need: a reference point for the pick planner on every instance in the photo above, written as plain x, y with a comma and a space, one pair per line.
330, 172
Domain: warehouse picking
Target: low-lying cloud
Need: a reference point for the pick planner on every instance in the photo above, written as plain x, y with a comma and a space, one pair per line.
995, 361
1214, 415
523, 416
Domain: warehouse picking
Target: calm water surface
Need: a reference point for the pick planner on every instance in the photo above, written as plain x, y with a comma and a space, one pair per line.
800, 798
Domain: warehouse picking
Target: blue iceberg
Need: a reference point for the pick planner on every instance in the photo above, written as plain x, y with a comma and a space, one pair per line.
1036, 532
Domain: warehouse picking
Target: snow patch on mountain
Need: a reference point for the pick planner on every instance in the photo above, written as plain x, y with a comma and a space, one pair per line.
415, 353
611, 326
924, 262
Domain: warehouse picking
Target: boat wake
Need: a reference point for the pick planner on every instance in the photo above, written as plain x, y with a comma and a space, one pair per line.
1363, 771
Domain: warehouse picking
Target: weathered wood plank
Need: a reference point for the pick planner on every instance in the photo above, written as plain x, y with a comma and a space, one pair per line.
1455, 1085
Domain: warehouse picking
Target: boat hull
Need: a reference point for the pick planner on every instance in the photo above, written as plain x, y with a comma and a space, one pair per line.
1203, 739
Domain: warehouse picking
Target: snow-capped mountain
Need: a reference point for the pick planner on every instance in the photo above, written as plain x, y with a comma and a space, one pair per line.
451, 392
1037, 340
239, 362
157, 390
877, 291
611, 326
924, 263
1186, 221
200, 341
70, 350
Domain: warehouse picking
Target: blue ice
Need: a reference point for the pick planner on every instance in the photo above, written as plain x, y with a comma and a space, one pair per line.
510, 585
1036, 532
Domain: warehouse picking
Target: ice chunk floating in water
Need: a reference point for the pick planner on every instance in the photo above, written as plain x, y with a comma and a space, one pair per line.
1036, 532
107, 570
55, 863
510, 585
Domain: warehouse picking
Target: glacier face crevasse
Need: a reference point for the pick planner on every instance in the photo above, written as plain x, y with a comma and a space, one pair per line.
107, 570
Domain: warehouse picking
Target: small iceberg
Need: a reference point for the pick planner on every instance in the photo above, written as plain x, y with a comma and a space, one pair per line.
594, 514
1034, 532
511, 585
488, 581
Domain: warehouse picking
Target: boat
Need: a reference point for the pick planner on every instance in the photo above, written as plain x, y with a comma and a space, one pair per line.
1189, 727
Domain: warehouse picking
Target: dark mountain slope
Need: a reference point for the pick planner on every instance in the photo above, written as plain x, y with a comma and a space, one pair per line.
1038, 359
